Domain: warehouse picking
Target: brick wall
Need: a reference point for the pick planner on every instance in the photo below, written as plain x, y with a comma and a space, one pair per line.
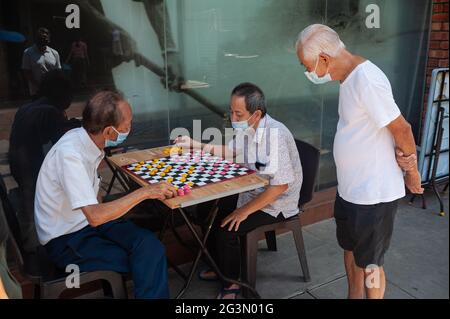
438, 42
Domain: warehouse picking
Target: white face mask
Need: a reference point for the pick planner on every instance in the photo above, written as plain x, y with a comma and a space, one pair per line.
243, 125
314, 78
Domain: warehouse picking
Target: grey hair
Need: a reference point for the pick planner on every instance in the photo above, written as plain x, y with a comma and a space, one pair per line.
102, 111
317, 39
254, 97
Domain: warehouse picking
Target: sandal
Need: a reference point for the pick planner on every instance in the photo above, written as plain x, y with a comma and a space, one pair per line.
226, 291
202, 275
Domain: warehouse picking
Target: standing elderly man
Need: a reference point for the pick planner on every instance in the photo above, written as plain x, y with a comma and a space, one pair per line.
370, 181
71, 223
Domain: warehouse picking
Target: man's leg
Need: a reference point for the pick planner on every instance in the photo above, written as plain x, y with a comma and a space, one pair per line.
146, 256
344, 214
376, 224
225, 206
355, 277
375, 282
118, 246
229, 246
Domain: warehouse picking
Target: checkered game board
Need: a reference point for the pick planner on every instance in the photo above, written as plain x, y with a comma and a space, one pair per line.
193, 169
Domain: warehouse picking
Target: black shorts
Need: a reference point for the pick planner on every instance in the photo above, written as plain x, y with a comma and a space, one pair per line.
366, 230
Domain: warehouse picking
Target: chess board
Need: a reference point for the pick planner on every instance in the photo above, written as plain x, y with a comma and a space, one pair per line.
189, 169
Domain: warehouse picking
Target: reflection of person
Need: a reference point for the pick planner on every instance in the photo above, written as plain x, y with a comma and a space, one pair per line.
277, 158
79, 58
39, 59
36, 125
159, 19
370, 181
74, 227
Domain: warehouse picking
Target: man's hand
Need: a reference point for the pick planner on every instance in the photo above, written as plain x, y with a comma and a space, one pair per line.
234, 220
160, 191
187, 143
413, 182
406, 163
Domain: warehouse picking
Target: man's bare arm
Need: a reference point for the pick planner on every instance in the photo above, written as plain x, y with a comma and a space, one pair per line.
234, 220
100, 214
217, 150
267, 197
404, 141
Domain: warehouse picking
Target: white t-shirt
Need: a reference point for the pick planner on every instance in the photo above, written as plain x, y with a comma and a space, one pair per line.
68, 180
364, 148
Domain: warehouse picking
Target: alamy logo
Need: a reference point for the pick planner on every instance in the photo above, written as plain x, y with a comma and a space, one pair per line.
73, 279
373, 19
73, 19
372, 277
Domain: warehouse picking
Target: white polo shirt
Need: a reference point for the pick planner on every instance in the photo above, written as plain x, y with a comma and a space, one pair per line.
68, 180
272, 145
364, 148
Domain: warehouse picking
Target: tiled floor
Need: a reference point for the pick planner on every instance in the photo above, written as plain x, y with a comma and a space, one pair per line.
417, 264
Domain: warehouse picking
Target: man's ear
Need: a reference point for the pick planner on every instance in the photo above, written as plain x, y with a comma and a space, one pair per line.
324, 57
260, 114
108, 133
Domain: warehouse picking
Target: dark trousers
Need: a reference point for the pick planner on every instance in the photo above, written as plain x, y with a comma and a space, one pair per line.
224, 245
119, 246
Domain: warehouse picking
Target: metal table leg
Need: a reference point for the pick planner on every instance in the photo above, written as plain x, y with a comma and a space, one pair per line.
160, 237
114, 177
204, 251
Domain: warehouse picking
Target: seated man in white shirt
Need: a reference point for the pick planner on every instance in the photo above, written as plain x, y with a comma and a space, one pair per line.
71, 223
263, 144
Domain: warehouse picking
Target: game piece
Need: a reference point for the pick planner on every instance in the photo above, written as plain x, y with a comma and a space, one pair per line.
181, 192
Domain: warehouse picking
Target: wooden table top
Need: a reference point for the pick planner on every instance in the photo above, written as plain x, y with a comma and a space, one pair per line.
198, 195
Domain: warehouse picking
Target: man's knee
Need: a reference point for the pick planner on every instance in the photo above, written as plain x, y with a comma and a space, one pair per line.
228, 238
151, 245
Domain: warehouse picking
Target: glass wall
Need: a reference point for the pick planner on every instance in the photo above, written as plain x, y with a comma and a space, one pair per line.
178, 60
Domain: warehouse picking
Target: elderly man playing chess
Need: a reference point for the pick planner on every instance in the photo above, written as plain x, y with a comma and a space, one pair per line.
267, 146
75, 227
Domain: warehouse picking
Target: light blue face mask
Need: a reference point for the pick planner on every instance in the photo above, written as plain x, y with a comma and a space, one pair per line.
314, 78
120, 139
243, 125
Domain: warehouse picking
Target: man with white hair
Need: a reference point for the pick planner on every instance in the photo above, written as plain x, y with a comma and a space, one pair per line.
370, 180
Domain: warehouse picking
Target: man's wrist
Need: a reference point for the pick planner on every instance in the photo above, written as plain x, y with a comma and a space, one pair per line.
411, 171
244, 211
144, 194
